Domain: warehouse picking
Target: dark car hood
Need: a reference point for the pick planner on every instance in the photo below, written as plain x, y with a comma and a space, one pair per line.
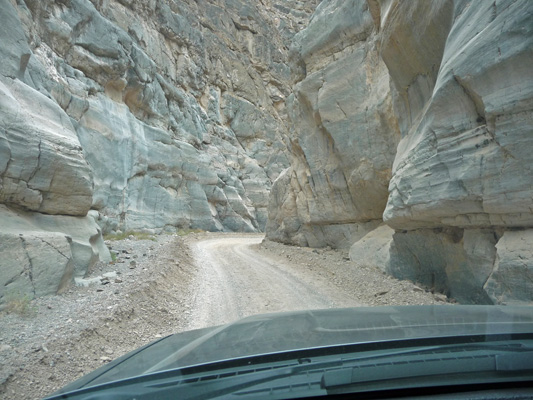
286, 332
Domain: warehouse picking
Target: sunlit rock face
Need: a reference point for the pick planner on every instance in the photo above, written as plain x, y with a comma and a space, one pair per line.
452, 146
344, 132
135, 115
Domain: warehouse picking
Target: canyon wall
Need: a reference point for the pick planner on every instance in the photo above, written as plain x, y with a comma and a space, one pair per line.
119, 115
416, 118
398, 129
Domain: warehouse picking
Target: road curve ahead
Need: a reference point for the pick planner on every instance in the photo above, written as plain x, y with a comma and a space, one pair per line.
233, 282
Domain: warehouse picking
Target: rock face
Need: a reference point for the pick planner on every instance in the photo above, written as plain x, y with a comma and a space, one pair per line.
462, 176
124, 115
467, 128
344, 132
43, 168
42, 254
162, 114
174, 104
43, 178
454, 149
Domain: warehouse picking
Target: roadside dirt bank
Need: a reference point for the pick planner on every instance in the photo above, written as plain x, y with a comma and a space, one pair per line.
172, 284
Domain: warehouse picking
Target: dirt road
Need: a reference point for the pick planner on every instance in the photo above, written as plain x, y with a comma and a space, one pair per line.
171, 284
235, 281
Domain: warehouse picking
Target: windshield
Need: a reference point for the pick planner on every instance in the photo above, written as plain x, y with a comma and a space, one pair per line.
389, 368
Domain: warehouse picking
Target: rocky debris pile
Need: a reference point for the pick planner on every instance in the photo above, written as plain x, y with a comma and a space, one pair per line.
54, 339
369, 285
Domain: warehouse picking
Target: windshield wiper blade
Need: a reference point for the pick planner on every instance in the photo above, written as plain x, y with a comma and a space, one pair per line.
447, 365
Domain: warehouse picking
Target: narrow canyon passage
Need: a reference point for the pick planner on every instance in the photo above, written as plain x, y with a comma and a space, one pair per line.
234, 281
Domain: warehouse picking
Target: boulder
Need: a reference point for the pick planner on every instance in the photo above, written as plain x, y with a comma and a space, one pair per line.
510, 280
42, 254
374, 248
450, 261
34, 264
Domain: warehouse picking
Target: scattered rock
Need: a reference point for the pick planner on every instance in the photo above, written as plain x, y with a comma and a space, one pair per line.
4, 347
440, 297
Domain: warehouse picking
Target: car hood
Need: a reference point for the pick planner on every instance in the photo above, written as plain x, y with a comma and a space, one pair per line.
287, 332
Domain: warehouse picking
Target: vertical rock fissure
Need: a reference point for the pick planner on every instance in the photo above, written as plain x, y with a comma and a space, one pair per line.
28, 272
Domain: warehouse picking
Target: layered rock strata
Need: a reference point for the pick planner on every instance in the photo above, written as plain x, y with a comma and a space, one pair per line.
454, 149
122, 115
461, 193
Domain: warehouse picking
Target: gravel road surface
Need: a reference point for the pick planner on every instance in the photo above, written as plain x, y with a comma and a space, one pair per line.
234, 281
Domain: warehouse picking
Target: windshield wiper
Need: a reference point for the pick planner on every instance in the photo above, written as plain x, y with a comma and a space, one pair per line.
453, 365
330, 374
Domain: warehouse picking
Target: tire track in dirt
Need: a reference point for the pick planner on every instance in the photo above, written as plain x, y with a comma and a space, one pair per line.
234, 281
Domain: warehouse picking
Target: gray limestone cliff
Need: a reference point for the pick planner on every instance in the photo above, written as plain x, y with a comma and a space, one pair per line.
417, 115
126, 115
